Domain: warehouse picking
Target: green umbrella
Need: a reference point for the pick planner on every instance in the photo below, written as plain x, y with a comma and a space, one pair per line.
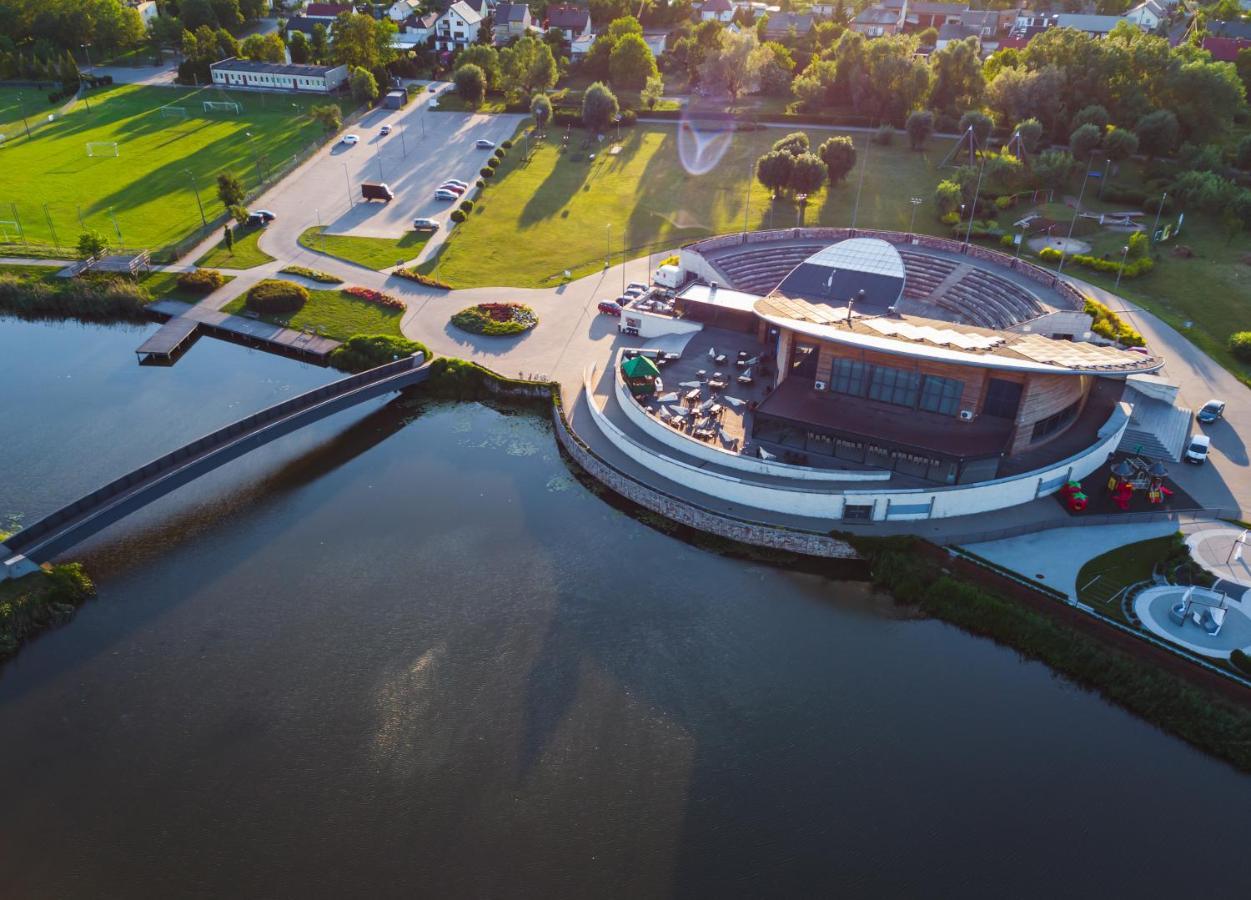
639, 367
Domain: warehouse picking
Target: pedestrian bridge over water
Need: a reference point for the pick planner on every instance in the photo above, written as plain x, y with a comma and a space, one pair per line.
22, 552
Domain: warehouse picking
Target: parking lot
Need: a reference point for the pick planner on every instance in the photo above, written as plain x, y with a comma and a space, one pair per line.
425, 147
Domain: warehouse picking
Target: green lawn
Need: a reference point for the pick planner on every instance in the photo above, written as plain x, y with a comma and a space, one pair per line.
450, 101
336, 315
164, 286
554, 213
372, 253
245, 255
147, 193
1102, 577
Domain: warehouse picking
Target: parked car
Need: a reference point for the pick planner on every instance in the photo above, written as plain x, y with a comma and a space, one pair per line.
458, 183
445, 194
634, 293
1197, 449
384, 130
454, 188
637, 286
484, 144
609, 308
381, 192
1212, 411
259, 217
425, 224
349, 139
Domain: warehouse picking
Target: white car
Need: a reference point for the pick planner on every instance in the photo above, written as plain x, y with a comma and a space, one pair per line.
484, 144
425, 224
458, 183
1197, 449
349, 139
384, 130
445, 194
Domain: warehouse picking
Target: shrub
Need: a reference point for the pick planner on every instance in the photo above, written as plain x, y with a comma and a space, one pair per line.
1241, 661
201, 281
506, 145
312, 274
629, 117
950, 218
361, 352
1007, 201
102, 299
479, 184
885, 135
1007, 241
495, 161
1049, 254
486, 172
458, 215
414, 275
1240, 345
376, 297
1109, 325
275, 297
496, 319
466, 205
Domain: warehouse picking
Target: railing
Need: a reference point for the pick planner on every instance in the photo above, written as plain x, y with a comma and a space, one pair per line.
66, 526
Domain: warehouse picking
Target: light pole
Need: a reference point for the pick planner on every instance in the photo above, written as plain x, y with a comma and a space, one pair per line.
1073, 224
48, 219
1107, 167
1020, 239
22, 102
912, 224
404, 140
256, 156
968, 235
195, 190
378, 159
608, 247
1158, 209
1121, 270
347, 180
87, 50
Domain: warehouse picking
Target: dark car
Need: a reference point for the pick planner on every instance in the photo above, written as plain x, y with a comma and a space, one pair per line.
609, 308
260, 217
1211, 412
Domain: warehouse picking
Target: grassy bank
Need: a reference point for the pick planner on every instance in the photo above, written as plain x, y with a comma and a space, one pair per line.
245, 254
37, 292
38, 602
335, 314
372, 253
1198, 716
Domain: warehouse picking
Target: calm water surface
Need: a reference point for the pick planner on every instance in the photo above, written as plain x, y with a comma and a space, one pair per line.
402, 653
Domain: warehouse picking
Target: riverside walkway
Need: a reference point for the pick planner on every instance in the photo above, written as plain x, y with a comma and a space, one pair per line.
44, 539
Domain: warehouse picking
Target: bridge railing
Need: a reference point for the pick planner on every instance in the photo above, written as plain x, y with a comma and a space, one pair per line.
222, 436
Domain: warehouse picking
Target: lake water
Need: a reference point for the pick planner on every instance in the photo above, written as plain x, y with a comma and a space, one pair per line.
403, 653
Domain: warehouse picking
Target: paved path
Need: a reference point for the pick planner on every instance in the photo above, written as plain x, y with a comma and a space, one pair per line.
1215, 546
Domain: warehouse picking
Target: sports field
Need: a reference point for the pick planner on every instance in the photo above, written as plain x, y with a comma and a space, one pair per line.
50, 189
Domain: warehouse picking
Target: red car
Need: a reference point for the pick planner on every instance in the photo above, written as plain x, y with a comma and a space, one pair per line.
608, 307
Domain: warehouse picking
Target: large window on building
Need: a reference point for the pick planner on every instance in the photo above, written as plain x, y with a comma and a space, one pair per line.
847, 376
804, 360
1003, 398
941, 395
897, 386
1046, 427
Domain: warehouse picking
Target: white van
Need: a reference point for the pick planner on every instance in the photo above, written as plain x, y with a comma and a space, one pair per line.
1197, 449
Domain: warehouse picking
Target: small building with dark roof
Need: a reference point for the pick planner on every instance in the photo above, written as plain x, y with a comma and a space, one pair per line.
252, 74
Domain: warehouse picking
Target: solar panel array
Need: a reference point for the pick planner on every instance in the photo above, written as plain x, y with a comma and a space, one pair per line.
802, 310
942, 337
1077, 354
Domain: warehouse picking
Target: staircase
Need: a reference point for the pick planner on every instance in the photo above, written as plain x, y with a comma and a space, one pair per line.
1157, 430
953, 276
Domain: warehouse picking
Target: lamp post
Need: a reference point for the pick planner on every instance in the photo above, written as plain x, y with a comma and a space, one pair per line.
1073, 224
912, 223
968, 235
1158, 209
1121, 270
751, 169
87, 50
195, 190
608, 246
256, 155
1107, 166
22, 103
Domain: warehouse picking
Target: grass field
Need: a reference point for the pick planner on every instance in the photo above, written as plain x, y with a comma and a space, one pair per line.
373, 253
336, 315
244, 255
554, 212
161, 285
48, 183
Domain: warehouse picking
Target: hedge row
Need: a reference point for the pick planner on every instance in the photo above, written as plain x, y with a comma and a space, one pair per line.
275, 297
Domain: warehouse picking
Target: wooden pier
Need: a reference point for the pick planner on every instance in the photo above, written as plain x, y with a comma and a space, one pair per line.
183, 322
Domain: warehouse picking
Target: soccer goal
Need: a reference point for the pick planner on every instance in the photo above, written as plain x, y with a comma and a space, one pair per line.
103, 148
221, 106
173, 112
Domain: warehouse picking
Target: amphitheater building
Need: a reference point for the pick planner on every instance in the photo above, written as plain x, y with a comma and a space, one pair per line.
873, 375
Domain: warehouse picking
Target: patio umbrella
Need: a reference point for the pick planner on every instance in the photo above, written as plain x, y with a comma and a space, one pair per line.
1158, 469
712, 352
677, 412
733, 401
1123, 469
639, 367
707, 404
688, 384
764, 454
753, 360
746, 373
670, 397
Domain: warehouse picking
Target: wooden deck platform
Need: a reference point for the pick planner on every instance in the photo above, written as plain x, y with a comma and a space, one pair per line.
184, 321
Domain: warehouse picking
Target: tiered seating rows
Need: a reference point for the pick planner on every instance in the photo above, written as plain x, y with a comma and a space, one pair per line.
760, 271
924, 274
1019, 304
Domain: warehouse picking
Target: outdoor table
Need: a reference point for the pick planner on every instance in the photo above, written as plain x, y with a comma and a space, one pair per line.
716, 385
702, 374
692, 394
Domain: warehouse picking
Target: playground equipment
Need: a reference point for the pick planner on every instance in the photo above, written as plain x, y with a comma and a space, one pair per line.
1074, 496
1133, 473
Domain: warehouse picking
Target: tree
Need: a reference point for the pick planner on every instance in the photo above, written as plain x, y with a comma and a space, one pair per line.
598, 61
363, 41
319, 45
958, 82
1242, 65
328, 115
631, 63
839, 156
732, 66
947, 197
471, 84
1084, 140
981, 124
228, 13
527, 66
195, 13
541, 109
652, 91
599, 106
266, 48
1091, 115
1158, 133
1030, 132
227, 46
364, 86
228, 238
299, 48
1053, 168
1120, 144
486, 29
253, 10
91, 243
927, 37
485, 58
1205, 97
773, 170
807, 174
920, 126
1242, 155
230, 189
794, 143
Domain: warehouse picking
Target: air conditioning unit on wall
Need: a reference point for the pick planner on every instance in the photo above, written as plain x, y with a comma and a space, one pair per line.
819, 385
966, 415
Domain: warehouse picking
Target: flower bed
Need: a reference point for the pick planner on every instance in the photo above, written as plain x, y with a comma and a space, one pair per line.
312, 274
496, 319
373, 296
414, 275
